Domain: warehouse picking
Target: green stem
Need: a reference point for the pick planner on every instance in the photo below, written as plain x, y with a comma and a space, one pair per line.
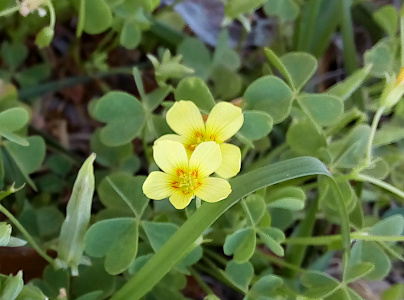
392, 252
380, 183
296, 253
220, 259
219, 274
247, 211
278, 261
375, 123
52, 14
9, 11
146, 149
201, 282
215, 272
326, 240
29, 238
244, 151
198, 202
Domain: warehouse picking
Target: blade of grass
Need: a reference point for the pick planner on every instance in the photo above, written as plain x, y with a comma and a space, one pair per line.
183, 240
57, 85
350, 54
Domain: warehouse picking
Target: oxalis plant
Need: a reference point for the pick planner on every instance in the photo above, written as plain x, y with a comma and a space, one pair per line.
240, 170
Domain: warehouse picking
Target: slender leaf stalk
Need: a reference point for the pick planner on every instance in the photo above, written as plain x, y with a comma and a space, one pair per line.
283, 263
380, 183
52, 14
29, 238
9, 11
375, 123
296, 253
326, 240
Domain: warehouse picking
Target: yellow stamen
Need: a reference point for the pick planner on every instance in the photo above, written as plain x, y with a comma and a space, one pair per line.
199, 137
187, 182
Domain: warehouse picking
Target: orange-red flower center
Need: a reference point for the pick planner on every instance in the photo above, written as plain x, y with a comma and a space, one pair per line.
199, 137
186, 181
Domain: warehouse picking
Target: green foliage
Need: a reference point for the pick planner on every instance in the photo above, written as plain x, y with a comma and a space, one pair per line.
264, 287
12, 120
197, 57
321, 147
194, 89
117, 240
124, 116
239, 274
27, 158
345, 88
122, 191
241, 244
292, 198
269, 94
13, 54
257, 124
300, 67
169, 67
324, 109
12, 287
130, 35
387, 17
220, 67
96, 16
381, 58
285, 10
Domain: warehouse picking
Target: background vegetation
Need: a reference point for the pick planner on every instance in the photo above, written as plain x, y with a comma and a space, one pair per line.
315, 212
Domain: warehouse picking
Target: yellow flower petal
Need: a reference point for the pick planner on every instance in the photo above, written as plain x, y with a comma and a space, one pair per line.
179, 200
224, 120
185, 119
172, 137
213, 189
177, 138
206, 159
170, 156
231, 161
157, 186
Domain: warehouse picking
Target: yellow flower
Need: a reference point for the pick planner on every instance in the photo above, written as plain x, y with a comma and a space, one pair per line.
223, 122
183, 177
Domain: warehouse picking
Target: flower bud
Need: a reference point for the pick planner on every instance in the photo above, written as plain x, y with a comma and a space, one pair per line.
78, 213
393, 91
